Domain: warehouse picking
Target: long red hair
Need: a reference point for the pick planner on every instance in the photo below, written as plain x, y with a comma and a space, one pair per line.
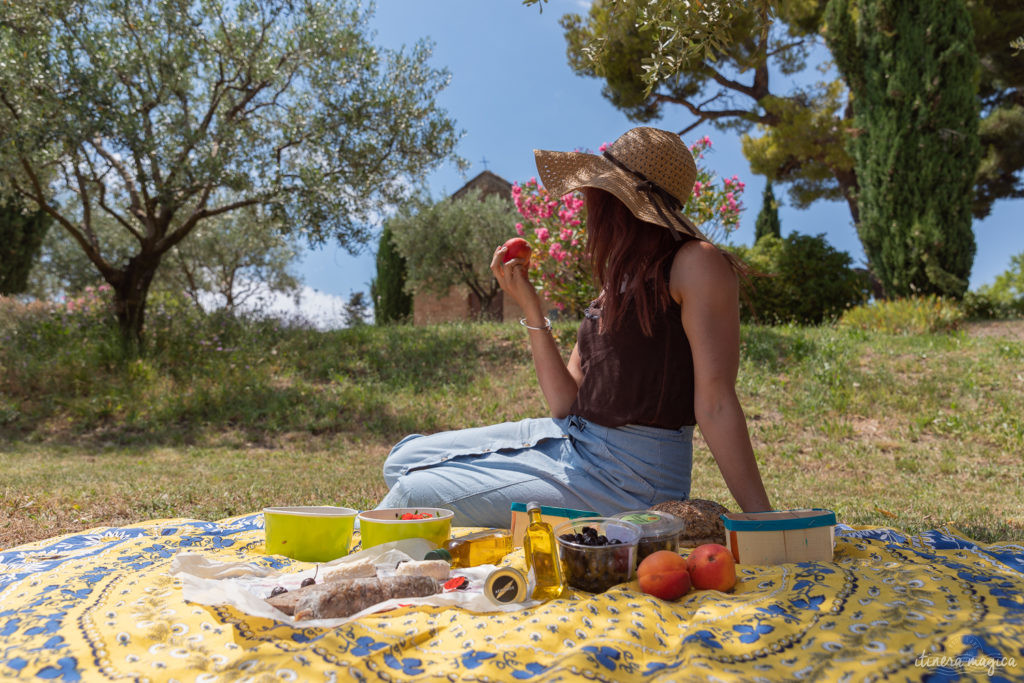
629, 258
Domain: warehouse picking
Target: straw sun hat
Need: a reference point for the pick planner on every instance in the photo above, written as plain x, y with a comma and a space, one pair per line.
651, 171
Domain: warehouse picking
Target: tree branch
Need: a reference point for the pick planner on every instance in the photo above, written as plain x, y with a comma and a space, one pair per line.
9, 105
784, 48
706, 115
733, 85
83, 194
191, 286
97, 178
200, 213
136, 204
109, 273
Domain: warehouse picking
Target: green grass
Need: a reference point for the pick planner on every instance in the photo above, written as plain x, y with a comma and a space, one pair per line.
224, 417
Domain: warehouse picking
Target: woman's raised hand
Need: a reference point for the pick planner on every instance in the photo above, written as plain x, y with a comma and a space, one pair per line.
513, 278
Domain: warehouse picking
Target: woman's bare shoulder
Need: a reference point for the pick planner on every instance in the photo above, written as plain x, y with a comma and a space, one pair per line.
699, 265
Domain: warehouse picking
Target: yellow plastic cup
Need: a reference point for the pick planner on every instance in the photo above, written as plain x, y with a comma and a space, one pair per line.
386, 525
309, 533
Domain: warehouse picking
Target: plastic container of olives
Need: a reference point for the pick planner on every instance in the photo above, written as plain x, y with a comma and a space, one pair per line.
659, 531
597, 552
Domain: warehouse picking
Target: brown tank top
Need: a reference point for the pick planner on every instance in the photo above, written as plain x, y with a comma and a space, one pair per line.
629, 378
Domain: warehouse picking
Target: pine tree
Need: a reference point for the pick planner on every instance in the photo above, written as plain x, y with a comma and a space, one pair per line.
911, 68
768, 218
391, 303
21, 236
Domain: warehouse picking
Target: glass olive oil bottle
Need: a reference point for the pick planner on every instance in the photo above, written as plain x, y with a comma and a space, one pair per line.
542, 557
481, 547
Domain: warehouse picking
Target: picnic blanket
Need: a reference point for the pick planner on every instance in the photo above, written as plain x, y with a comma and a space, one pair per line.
103, 605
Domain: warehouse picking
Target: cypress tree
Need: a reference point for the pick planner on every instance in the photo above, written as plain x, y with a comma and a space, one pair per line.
912, 72
768, 218
21, 236
391, 303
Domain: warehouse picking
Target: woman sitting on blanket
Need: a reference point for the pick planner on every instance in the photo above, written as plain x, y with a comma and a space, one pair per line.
656, 354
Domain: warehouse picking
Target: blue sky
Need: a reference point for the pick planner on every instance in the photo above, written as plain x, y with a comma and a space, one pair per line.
512, 91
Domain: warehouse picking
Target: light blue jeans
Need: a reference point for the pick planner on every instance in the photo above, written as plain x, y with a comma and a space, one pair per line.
569, 462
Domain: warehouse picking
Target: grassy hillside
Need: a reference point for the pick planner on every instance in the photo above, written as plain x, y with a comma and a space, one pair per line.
223, 417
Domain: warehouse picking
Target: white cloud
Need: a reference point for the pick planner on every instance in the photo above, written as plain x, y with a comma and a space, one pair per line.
324, 311
321, 310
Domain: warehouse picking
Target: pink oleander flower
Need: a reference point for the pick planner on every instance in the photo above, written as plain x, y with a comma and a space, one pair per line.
556, 229
556, 252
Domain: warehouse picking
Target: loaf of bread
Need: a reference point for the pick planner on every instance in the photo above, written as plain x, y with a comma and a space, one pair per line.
702, 520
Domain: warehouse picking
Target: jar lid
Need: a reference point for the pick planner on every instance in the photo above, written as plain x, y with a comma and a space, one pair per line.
505, 585
438, 554
654, 523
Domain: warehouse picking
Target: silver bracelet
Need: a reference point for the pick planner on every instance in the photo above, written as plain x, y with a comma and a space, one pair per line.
547, 325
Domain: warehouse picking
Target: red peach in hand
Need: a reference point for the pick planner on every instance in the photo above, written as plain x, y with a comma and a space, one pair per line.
517, 247
712, 566
663, 574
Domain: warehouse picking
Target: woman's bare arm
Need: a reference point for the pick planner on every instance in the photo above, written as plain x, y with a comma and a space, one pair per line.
559, 382
704, 284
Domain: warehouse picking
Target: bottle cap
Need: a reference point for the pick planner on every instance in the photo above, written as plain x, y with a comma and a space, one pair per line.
505, 585
530, 506
438, 554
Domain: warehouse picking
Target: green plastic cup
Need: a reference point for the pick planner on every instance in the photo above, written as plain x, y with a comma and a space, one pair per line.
386, 525
309, 533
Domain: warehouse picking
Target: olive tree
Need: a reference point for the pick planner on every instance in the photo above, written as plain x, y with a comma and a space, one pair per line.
162, 115
233, 259
451, 242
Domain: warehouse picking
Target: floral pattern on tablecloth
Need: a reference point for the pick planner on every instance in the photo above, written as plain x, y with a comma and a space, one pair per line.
102, 605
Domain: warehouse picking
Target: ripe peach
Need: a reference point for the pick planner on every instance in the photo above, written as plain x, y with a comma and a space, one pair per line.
663, 574
517, 248
712, 566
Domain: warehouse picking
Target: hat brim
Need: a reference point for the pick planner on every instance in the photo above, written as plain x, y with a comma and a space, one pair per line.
565, 172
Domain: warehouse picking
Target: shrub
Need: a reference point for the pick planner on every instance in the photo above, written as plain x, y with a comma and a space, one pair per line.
914, 315
1002, 299
799, 279
982, 305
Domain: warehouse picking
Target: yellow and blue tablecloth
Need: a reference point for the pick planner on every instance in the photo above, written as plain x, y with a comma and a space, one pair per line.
102, 605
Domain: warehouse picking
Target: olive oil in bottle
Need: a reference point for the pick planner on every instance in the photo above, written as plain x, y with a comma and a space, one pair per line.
542, 557
481, 547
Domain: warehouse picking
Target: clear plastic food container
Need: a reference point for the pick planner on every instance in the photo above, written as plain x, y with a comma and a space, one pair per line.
658, 531
597, 552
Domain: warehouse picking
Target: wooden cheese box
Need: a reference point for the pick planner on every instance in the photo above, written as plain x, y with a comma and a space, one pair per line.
780, 536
